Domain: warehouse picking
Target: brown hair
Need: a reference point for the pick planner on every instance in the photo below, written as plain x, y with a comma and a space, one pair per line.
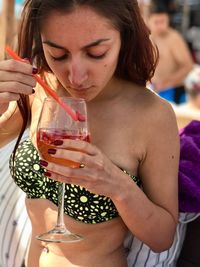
137, 58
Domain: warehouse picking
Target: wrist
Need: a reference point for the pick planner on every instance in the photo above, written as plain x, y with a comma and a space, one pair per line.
124, 191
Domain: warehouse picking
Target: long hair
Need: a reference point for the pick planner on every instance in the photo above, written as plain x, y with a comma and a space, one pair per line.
137, 57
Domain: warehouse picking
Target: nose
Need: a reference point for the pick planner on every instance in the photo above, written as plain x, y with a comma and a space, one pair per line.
77, 74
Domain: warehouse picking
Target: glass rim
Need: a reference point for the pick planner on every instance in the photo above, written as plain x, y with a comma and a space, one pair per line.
78, 99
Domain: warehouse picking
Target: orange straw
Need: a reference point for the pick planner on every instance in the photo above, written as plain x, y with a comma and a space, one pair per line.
45, 86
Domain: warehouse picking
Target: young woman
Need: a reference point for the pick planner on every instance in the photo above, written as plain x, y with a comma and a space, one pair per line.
99, 51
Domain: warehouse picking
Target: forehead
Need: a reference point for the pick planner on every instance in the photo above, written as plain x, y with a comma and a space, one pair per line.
159, 17
81, 24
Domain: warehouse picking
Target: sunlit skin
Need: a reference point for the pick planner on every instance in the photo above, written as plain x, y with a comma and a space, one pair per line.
85, 62
175, 60
130, 128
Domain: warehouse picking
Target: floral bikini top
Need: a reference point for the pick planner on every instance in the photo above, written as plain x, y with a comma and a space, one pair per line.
79, 203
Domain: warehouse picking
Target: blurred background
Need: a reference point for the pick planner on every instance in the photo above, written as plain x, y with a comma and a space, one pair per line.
184, 15
10, 11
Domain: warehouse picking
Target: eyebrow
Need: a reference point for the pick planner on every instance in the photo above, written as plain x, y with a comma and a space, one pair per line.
95, 43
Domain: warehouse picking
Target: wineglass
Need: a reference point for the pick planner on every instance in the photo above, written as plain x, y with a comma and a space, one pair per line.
56, 124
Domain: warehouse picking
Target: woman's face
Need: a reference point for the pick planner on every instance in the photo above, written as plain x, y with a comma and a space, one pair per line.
82, 49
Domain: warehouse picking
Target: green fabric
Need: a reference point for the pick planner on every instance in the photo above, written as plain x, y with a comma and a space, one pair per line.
80, 204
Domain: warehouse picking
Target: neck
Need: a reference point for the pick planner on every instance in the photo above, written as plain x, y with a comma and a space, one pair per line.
110, 92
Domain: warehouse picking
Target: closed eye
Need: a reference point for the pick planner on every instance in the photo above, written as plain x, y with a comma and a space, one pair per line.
60, 58
96, 56
88, 54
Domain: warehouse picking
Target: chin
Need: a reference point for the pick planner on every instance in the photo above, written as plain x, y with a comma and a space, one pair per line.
87, 98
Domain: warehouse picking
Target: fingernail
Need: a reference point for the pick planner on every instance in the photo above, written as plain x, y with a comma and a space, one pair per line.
58, 142
52, 151
33, 91
35, 70
43, 163
48, 174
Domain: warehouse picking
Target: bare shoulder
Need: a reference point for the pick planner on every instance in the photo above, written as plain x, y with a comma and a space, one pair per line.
160, 106
162, 111
156, 111
175, 36
152, 101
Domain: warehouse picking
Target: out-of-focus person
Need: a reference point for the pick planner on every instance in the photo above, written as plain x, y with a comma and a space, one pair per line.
190, 110
175, 60
169, 5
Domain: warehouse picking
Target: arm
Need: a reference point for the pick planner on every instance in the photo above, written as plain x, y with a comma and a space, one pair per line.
15, 79
152, 217
10, 124
182, 62
183, 59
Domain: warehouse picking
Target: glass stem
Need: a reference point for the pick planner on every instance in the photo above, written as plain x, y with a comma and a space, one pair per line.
61, 195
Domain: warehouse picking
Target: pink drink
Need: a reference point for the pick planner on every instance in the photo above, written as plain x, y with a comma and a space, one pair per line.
45, 141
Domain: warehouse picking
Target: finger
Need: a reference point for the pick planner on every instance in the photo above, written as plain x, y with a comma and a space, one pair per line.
7, 97
26, 79
64, 170
16, 66
16, 87
85, 181
63, 179
77, 145
72, 155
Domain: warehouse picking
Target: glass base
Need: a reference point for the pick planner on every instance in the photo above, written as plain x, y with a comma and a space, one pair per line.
59, 236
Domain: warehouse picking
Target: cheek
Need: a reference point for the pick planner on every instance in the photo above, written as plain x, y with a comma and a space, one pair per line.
111, 64
57, 69
108, 69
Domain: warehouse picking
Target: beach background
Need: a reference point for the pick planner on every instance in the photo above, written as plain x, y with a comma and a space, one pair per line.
17, 11
18, 7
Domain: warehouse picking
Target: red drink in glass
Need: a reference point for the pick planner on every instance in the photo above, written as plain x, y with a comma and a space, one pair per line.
45, 141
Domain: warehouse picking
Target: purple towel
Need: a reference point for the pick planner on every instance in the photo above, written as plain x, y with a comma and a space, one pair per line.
189, 168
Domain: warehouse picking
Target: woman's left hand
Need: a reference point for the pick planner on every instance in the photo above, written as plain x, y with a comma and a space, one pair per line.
95, 173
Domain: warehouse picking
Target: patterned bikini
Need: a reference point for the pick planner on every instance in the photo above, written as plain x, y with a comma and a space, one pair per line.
80, 204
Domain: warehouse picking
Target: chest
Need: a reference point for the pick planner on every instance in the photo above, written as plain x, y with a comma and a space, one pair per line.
165, 47
115, 129
167, 62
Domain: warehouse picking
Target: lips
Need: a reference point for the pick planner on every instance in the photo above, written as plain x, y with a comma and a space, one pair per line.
80, 90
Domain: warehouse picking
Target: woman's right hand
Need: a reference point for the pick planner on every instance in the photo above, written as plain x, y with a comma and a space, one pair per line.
15, 78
